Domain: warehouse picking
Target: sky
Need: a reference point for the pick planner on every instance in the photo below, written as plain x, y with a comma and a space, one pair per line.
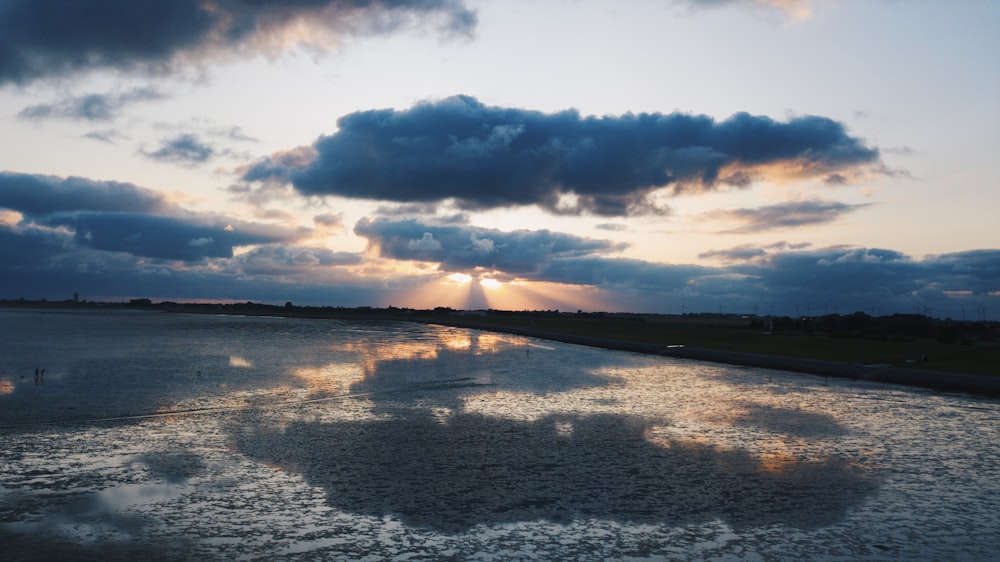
789, 157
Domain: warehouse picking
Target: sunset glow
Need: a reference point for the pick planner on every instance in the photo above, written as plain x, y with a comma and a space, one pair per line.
415, 154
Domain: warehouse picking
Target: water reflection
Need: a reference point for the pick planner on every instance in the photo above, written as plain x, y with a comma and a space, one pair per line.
775, 419
108, 365
239, 362
332, 378
341, 441
452, 472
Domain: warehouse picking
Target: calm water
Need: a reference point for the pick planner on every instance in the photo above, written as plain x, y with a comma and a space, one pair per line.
184, 437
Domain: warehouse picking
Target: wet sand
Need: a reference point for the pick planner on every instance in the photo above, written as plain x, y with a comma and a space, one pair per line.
935, 380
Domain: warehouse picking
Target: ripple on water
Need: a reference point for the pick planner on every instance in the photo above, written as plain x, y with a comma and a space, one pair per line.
336, 440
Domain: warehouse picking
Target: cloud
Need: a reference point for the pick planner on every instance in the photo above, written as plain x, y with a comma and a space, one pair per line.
782, 215
45, 38
47, 264
482, 157
232, 133
187, 149
901, 150
792, 9
791, 278
426, 243
106, 135
840, 279
416, 209
612, 227
120, 258
461, 248
122, 217
278, 260
745, 252
91, 107
40, 194
328, 220
750, 252
189, 238
201, 241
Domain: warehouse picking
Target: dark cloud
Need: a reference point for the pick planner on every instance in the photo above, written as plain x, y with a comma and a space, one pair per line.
788, 277
122, 217
91, 107
978, 270
485, 157
39, 195
37, 261
849, 278
467, 247
49, 265
836, 279
40, 262
58, 236
792, 214
187, 149
40, 38
27, 248
163, 237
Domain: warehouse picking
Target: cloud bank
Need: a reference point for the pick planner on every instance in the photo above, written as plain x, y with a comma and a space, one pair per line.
46, 38
482, 157
791, 277
56, 215
65, 235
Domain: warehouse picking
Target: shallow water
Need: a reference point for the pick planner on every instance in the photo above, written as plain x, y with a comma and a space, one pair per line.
222, 437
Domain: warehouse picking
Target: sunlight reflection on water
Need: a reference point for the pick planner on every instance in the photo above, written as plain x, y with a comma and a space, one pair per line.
274, 437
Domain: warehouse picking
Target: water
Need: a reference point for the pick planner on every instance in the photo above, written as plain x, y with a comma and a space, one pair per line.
221, 437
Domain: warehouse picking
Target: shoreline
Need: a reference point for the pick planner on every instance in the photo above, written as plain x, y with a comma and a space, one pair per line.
941, 381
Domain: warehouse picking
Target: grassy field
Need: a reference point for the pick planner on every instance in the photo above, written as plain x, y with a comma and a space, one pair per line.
735, 334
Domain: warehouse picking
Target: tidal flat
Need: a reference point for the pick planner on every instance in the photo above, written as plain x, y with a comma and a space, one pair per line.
175, 437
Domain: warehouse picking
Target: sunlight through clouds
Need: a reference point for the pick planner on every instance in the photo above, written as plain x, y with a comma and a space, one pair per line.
372, 154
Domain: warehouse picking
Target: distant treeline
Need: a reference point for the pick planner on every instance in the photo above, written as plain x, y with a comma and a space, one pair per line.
895, 327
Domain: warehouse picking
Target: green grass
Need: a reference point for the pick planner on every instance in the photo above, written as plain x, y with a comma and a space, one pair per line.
734, 334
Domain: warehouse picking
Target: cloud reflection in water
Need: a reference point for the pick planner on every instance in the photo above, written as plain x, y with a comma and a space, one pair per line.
450, 474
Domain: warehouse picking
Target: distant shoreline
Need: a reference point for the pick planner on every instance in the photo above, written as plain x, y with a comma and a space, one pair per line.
934, 380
